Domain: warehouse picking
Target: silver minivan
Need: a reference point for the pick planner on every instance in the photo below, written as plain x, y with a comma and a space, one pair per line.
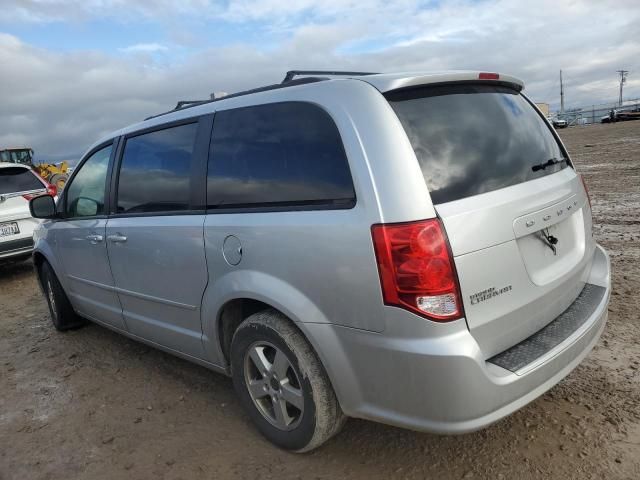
414, 249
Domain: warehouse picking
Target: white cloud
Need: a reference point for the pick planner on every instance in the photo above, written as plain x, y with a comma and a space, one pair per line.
145, 48
61, 102
40, 11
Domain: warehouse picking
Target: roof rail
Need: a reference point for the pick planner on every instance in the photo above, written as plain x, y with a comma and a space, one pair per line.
184, 104
289, 81
188, 103
294, 73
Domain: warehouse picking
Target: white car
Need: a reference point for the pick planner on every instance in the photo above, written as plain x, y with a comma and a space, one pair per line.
18, 185
558, 122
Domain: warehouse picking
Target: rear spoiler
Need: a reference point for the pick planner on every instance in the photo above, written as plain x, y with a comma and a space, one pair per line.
6, 196
385, 84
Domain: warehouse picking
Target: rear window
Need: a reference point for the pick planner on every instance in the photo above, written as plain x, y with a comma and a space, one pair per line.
14, 180
472, 139
283, 154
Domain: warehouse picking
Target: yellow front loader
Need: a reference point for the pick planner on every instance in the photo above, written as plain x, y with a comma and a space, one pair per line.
54, 174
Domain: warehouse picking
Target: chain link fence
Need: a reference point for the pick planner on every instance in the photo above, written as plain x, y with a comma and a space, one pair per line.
595, 113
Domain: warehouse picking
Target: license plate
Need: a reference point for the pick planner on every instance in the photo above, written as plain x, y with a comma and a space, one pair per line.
9, 229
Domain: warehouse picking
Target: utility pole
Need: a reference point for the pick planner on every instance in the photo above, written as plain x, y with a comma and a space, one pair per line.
623, 79
561, 94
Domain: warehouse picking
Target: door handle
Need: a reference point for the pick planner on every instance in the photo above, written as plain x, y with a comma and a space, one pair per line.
117, 238
94, 239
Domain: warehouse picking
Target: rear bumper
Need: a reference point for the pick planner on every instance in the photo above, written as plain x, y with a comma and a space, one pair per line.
441, 383
16, 248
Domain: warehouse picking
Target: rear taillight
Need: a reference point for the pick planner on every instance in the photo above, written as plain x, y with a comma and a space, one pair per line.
416, 269
51, 190
586, 190
488, 76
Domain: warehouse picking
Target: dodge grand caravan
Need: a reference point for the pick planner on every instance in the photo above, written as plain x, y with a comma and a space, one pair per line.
414, 249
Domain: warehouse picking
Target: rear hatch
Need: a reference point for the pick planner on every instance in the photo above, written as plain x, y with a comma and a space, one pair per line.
17, 186
515, 212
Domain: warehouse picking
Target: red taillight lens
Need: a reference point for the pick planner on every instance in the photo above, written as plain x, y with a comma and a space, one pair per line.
416, 269
488, 76
51, 190
586, 190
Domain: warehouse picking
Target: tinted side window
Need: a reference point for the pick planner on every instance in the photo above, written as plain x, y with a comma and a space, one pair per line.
16, 179
85, 193
156, 169
277, 154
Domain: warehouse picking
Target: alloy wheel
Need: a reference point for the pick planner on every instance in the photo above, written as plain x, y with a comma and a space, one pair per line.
52, 299
273, 385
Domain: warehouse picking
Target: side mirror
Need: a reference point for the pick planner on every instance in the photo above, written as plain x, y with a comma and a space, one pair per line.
42, 207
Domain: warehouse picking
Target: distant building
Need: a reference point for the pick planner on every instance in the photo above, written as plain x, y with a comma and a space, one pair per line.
544, 108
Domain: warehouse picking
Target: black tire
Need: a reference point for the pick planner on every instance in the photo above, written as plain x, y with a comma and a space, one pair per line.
59, 180
62, 314
321, 416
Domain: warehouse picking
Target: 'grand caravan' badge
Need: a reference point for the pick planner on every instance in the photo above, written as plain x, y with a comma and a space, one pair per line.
488, 294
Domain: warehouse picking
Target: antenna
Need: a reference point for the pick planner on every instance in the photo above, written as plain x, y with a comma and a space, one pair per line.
561, 94
623, 79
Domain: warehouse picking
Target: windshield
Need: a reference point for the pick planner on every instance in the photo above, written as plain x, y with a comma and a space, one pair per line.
473, 138
21, 156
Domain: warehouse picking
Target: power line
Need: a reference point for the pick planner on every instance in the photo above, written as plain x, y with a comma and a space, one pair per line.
561, 94
623, 79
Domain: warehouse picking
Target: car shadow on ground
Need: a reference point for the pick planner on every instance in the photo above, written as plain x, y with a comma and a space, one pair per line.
12, 270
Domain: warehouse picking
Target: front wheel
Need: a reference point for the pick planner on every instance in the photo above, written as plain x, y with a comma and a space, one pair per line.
282, 384
63, 316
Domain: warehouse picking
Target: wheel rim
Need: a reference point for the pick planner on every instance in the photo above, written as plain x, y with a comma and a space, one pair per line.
51, 297
273, 385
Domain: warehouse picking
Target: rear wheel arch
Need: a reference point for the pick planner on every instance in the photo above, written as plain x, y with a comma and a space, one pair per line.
235, 311
229, 318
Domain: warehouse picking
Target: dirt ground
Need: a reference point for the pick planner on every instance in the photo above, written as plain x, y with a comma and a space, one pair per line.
91, 404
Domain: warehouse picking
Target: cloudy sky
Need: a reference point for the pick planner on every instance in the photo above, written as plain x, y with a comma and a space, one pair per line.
73, 70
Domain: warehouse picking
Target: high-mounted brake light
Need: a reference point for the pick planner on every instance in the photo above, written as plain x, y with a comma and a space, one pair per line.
586, 190
416, 269
488, 76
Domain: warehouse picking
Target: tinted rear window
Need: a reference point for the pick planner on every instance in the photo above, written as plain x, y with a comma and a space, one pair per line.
156, 171
14, 180
282, 154
472, 139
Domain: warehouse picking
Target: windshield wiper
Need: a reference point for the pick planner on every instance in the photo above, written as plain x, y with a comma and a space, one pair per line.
549, 163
